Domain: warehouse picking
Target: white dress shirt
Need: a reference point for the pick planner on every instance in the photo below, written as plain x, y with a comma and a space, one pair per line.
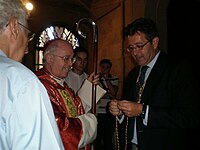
27, 121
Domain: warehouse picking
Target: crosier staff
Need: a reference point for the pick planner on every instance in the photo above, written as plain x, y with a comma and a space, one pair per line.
95, 44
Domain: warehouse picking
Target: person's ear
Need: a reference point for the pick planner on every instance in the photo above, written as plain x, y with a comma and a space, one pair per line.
49, 58
155, 42
14, 27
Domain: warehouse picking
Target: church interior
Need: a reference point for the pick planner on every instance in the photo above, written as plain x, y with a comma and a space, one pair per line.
102, 23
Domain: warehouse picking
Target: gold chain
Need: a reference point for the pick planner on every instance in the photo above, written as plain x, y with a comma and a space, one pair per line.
126, 128
126, 134
140, 92
117, 134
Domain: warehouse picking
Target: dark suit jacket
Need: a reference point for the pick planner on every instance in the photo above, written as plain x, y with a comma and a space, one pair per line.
172, 94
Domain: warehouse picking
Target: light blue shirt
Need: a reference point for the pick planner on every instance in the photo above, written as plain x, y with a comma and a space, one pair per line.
27, 121
145, 120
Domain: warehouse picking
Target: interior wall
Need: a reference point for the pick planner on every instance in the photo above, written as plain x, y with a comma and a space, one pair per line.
111, 44
110, 37
157, 11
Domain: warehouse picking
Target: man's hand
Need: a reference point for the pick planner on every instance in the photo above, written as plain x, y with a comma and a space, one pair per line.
94, 78
129, 108
113, 108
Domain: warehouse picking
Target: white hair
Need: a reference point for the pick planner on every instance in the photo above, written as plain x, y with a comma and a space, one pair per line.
12, 8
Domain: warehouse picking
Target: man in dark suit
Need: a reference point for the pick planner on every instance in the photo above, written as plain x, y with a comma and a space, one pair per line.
162, 111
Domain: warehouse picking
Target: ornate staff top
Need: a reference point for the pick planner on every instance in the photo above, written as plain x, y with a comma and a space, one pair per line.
95, 41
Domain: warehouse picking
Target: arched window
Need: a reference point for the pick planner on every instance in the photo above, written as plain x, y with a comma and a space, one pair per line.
49, 33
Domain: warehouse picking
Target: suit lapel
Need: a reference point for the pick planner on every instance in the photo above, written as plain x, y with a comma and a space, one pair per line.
154, 77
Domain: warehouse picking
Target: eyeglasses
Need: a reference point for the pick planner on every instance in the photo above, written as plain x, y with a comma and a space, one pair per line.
66, 59
31, 35
82, 60
137, 47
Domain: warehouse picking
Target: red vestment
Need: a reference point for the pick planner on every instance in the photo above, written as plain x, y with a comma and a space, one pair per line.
66, 105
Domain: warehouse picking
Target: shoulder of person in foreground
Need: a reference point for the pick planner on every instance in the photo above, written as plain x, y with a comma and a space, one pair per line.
30, 103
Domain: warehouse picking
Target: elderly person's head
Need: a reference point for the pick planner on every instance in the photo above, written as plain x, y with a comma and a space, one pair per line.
59, 57
13, 29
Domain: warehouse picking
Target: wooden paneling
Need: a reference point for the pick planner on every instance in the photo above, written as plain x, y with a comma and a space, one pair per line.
100, 8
